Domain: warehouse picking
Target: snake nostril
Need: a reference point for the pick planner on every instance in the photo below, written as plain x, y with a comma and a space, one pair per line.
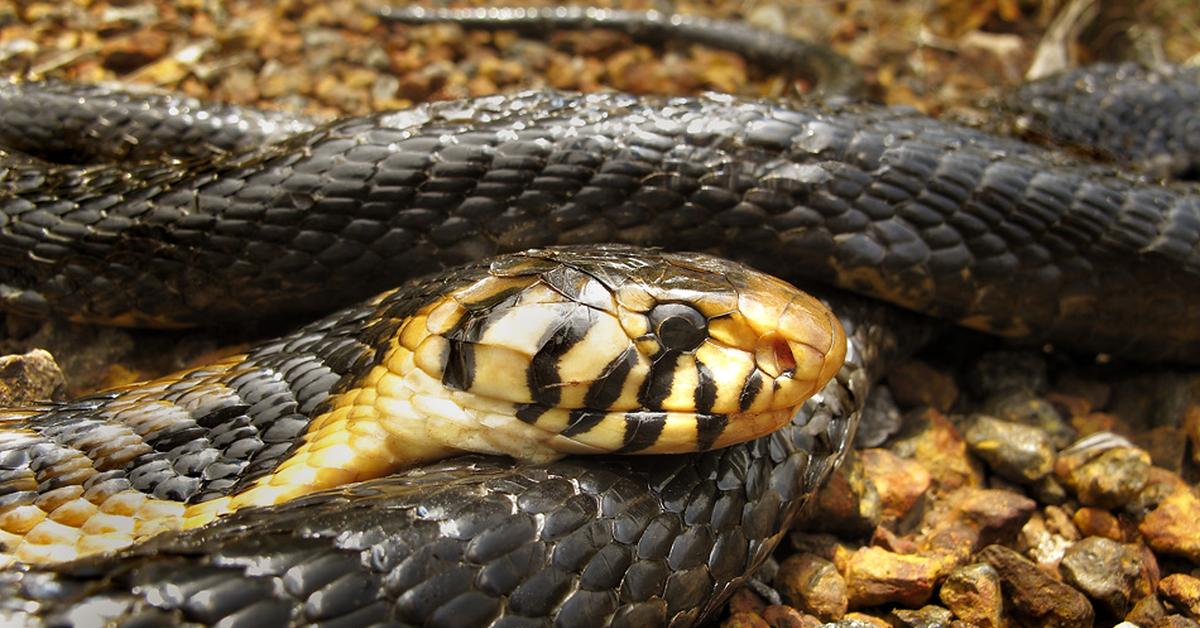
774, 355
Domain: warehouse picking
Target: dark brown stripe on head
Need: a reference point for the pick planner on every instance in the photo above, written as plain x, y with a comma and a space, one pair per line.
658, 383
530, 412
642, 430
706, 389
581, 420
749, 391
607, 388
708, 429
459, 373
542, 377
460, 357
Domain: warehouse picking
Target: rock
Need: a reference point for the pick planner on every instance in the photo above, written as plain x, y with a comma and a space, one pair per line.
969, 518
1022, 406
746, 600
1147, 612
1042, 543
928, 616
812, 584
973, 594
1176, 621
744, 620
1049, 490
916, 384
1183, 591
931, 440
1160, 485
1096, 522
824, 545
1106, 571
1103, 470
900, 482
1004, 371
1171, 528
1034, 596
126, 54
860, 620
28, 378
875, 576
780, 616
1021, 453
848, 504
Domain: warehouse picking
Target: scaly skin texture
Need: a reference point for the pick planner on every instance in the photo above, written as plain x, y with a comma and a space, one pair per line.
633, 541
1128, 113
885, 202
873, 193
532, 355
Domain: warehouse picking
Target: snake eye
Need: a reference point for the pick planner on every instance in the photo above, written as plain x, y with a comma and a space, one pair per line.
679, 327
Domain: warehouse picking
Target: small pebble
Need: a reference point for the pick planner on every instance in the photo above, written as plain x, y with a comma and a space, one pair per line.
860, 620
812, 584
900, 482
745, 620
1021, 453
933, 441
1104, 570
1041, 543
1176, 621
969, 518
1098, 522
746, 600
1024, 407
1101, 472
1173, 528
1148, 611
1183, 591
848, 504
875, 576
780, 616
30, 377
974, 594
1034, 596
928, 616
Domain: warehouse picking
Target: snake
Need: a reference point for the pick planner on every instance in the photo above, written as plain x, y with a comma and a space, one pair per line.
281, 217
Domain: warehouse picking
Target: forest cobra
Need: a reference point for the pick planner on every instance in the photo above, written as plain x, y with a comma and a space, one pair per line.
259, 214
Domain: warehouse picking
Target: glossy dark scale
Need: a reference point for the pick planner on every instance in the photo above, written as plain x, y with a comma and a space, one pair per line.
1139, 116
884, 200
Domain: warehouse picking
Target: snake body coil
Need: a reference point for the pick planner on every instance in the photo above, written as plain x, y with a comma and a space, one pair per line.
885, 202
987, 231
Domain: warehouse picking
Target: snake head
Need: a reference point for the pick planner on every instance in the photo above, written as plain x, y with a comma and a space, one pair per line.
617, 349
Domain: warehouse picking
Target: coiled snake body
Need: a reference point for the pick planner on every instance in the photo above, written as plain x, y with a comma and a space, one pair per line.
279, 219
